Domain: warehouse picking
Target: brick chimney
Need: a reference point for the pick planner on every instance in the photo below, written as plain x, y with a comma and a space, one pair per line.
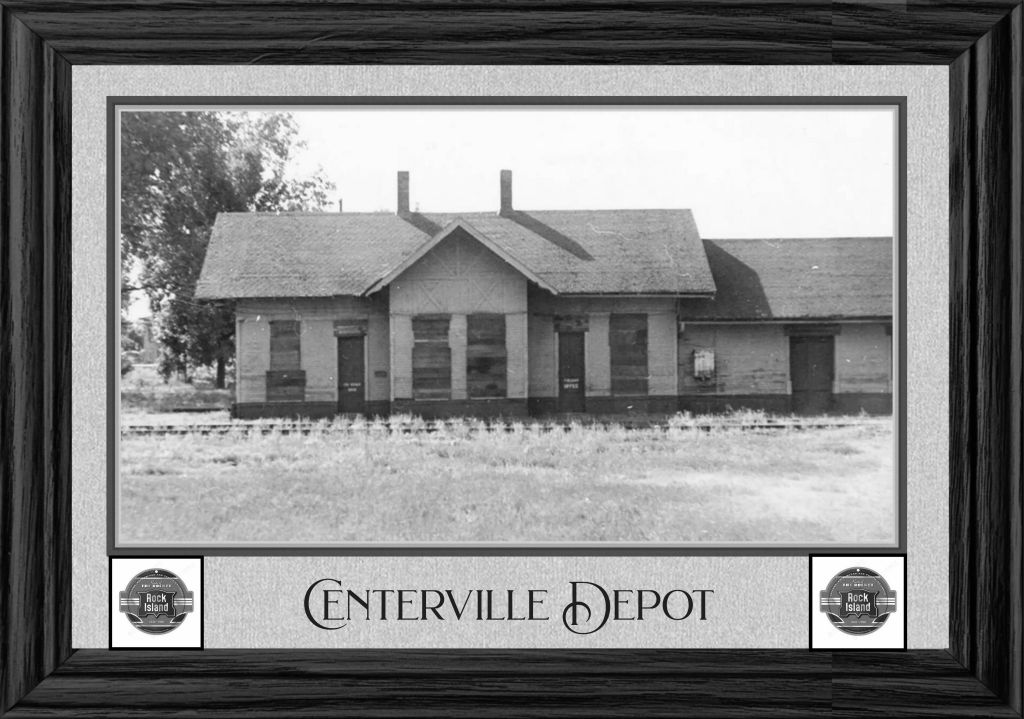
403, 192
506, 192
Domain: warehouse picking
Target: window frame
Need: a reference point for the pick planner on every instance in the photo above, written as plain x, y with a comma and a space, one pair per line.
285, 381
619, 379
470, 345
432, 343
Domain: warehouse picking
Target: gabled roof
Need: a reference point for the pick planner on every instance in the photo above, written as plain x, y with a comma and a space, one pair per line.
833, 277
568, 252
604, 251
302, 254
453, 226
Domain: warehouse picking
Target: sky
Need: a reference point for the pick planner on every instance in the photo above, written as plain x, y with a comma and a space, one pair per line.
776, 172
744, 172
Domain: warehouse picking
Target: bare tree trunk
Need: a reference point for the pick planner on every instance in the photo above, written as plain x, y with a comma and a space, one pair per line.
221, 371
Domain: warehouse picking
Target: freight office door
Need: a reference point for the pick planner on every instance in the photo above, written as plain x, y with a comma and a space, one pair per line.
571, 379
351, 375
811, 371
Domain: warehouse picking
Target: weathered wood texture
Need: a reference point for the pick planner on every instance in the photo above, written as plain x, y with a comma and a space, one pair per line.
524, 32
708, 684
987, 272
460, 278
40, 38
318, 345
597, 311
35, 361
754, 359
747, 359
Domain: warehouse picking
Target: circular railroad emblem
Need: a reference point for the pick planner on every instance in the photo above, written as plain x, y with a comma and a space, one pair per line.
156, 601
858, 601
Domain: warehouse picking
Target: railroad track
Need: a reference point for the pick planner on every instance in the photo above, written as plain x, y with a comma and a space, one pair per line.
433, 427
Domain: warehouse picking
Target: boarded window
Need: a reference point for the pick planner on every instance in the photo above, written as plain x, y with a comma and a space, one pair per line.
284, 345
627, 339
431, 357
486, 360
286, 381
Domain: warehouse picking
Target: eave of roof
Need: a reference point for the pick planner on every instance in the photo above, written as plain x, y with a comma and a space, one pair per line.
625, 253
798, 278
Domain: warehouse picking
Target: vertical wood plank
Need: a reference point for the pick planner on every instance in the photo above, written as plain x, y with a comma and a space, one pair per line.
985, 362
1015, 670
961, 360
35, 501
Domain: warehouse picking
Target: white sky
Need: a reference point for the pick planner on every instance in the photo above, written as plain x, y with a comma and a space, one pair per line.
779, 172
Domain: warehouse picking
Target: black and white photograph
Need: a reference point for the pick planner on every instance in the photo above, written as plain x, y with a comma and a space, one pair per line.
508, 324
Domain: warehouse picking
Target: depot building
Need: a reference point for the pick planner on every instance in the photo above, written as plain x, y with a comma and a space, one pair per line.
519, 312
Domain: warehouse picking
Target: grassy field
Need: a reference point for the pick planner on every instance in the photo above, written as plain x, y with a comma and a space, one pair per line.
143, 392
588, 484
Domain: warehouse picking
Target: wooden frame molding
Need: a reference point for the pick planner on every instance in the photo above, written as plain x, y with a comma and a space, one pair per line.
982, 43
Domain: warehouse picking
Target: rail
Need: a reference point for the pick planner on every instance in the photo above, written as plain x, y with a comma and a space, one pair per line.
490, 426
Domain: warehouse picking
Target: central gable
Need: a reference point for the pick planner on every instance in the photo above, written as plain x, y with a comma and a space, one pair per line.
458, 275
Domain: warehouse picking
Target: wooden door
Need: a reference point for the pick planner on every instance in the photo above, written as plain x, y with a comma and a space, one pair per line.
811, 371
351, 374
571, 379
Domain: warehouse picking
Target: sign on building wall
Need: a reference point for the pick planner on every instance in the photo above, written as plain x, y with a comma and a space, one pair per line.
704, 364
572, 323
349, 328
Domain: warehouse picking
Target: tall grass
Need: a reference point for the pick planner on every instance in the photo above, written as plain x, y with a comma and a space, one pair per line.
465, 483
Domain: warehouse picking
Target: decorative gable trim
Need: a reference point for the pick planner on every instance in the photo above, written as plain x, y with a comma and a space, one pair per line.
457, 224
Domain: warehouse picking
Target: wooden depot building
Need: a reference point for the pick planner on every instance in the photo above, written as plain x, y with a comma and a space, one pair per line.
526, 313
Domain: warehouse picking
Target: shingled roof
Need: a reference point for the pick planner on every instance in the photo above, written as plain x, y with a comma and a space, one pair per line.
833, 277
571, 252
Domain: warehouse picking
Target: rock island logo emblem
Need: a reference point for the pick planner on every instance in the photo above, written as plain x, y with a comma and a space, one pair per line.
156, 601
858, 601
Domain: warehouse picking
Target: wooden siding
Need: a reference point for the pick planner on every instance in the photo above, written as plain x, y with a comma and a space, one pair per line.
661, 340
320, 359
542, 302
597, 361
863, 359
252, 356
431, 357
378, 356
749, 359
459, 277
401, 357
486, 356
319, 347
457, 341
754, 359
517, 348
286, 385
627, 345
285, 345
543, 369
661, 353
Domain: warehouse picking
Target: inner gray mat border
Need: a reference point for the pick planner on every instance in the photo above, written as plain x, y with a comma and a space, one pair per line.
609, 549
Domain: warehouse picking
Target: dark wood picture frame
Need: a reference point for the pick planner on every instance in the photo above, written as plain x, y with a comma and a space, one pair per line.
981, 41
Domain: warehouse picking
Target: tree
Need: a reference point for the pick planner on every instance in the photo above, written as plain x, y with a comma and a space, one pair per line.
178, 170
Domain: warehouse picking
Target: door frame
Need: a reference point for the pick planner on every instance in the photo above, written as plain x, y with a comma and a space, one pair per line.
558, 368
806, 332
338, 336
